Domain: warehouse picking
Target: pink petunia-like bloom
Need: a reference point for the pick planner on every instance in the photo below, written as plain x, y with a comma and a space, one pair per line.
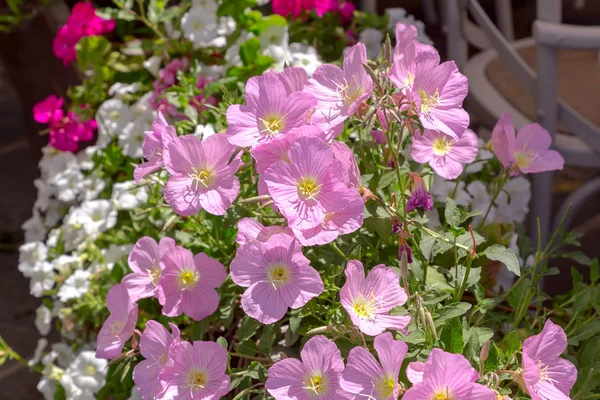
369, 300
145, 262
119, 326
201, 176
277, 276
339, 92
445, 376
49, 111
545, 374
309, 185
445, 154
274, 107
317, 376
155, 344
527, 151
189, 282
365, 377
419, 197
153, 147
197, 372
250, 230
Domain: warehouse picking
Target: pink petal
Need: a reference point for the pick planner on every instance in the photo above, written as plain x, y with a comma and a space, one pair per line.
243, 128
212, 272
262, 302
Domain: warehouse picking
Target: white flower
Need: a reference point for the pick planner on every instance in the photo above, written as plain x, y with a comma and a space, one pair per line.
42, 279
97, 216
84, 157
75, 285
37, 354
43, 319
68, 184
208, 6
481, 200
132, 135
274, 42
63, 354
54, 162
482, 156
47, 387
73, 229
118, 90
227, 25
398, 15
202, 28
87, 372
204, 131
66, 264
30, 254
232, 54
129, 195
53, 237
116, 253
54, 213
34, 228
512, 204
262, 2
112, 116
441, 189
152, 65
305, 56
72, 391
44, 193
372, 39
91, 187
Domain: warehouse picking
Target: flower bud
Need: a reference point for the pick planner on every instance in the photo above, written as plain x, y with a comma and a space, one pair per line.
430, 323
485, 351
404, 267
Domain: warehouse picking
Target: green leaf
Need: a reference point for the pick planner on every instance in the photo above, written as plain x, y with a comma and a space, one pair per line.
451, 311
451, 336
248, 328
585, 332
267, 338
474, 275
495, 358
386, 180
249, 51
484, 334
91, 52
505, 256
426, 246
594, 271
472, 349
221, 341
452, 213
512, 344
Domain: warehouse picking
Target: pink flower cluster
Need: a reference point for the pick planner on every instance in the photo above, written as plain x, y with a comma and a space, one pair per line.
295, 8
82, 22
66, 131
167, 77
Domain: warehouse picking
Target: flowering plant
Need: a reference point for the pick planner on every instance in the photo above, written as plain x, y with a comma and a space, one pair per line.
251, 223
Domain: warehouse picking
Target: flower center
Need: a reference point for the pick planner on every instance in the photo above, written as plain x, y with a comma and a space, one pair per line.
429, 101
308, 187
114, 115
385, 386
116, 328
202, 178
155, 272
197, 379
364, 307
316, 384
197, 25
90, 370
443, 394
188, 278
279, 275
272, 124
524, 159
441, 146
350, 92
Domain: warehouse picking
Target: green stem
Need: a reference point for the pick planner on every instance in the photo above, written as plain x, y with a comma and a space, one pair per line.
338, 251
264, 359
503, 179
463, 286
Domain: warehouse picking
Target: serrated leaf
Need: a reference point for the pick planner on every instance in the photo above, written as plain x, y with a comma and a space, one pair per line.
452, 213
505, 256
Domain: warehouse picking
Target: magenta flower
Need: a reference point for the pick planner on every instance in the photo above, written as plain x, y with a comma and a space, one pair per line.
445, 376
189, 282
250, 230
201, 176
277, 276
153, 146
445, 154
49, 110
197, 372
365, 377
154, 347
546, 375
369, 300
271, 110
145, 262
119, 326
528, 151
339, 92
316, 376
310, 185
420, 197
64, 44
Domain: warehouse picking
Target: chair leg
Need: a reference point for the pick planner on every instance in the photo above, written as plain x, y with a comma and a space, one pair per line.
429, 9
541, 206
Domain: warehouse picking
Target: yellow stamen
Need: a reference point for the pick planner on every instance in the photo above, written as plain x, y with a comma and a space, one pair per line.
443, 394
428, 102
385, 386
316, 384
308, 187
202, 178
196, 380
188, 278
365, 307
272, 124
441, 146
524, 159
279, 275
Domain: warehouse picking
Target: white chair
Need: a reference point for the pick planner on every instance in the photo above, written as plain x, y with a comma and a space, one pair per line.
581, 147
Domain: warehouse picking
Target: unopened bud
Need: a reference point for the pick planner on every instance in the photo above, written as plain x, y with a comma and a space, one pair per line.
485, 351
422, 317
388, 51
371, 72
282, 356
404, 266
430, 323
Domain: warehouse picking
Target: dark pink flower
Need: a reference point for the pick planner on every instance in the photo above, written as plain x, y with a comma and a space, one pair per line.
48, 110
420, 197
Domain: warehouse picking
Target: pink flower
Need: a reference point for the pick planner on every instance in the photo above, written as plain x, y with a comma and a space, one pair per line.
345, 156
339, 92
546, 375
201, 176
346, 9
189, 282
528, 151
277, 276
119, 326
197, 372
153, 146
316, 376
379, 136
310, 185
445, 154
365, 377
251, 230
64, 44
287, 7
272, 109
369, 301
445, 376
420, 197
154, 347
49, 110
145, 262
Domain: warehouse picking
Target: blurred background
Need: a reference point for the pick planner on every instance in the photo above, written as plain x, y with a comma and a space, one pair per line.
29, 72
